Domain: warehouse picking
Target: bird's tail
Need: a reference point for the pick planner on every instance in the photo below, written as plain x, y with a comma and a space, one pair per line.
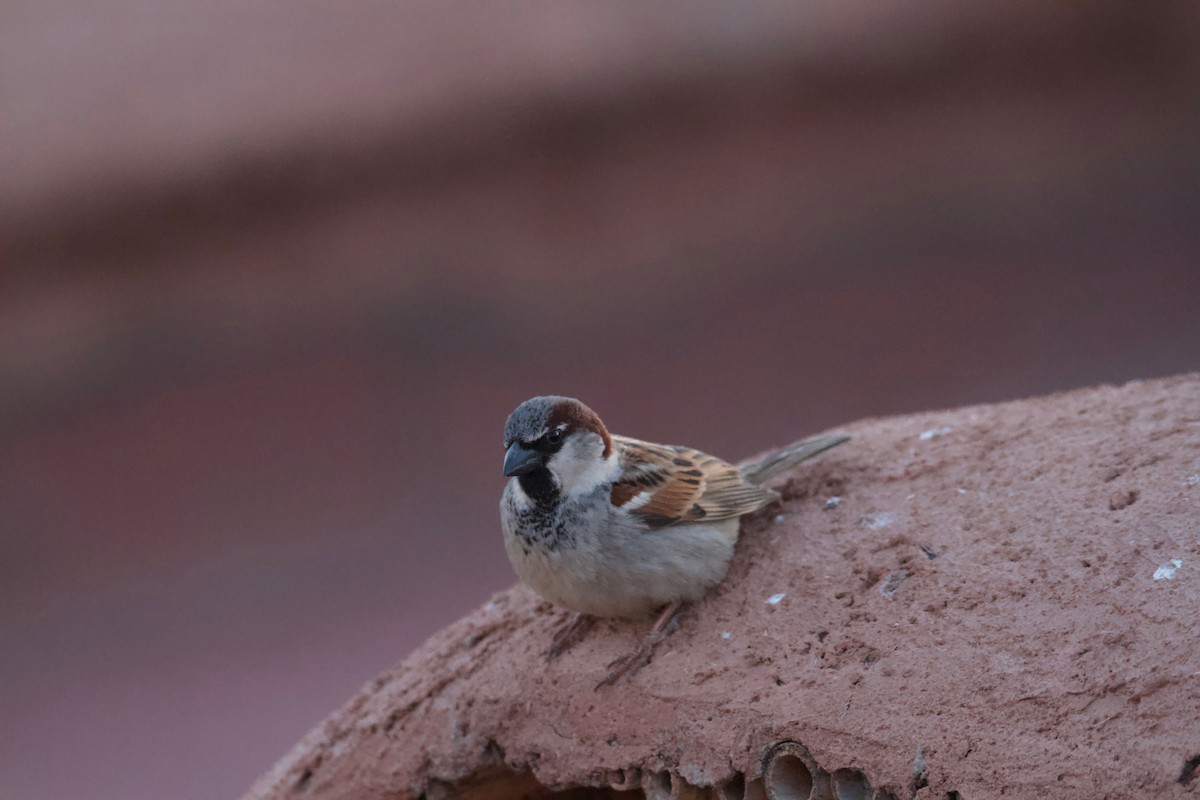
759, 472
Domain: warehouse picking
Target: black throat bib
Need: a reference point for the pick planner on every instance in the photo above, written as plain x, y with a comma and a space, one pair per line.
539, 487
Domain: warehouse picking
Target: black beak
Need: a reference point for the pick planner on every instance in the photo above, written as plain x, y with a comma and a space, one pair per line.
520, 460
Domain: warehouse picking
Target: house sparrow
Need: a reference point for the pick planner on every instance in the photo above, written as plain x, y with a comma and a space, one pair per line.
609, 526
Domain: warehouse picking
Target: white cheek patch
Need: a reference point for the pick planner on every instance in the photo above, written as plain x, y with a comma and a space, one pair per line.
580, 467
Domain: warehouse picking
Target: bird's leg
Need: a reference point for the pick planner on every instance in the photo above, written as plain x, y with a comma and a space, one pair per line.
570, 634
629, 664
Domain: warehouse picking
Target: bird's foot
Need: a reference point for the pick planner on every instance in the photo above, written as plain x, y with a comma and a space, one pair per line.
627, 666
569, 634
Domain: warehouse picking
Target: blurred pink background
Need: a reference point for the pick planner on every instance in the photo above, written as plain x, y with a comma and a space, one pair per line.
274, 274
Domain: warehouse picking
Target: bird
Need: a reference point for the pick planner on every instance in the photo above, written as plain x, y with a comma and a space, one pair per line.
608, 526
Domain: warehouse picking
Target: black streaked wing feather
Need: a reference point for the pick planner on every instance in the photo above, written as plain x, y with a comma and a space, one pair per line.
665, 484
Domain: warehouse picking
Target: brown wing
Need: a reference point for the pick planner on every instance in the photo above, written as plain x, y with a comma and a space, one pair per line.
664, 484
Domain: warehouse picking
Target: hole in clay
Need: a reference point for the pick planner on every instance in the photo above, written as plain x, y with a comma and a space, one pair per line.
850, 784
790, 779
682, 790
791, 773
625, 780
1190, 767
500, 782
657, 785
738, 788
733, 789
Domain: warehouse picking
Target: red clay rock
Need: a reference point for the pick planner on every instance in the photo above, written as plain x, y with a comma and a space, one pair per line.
1003, 601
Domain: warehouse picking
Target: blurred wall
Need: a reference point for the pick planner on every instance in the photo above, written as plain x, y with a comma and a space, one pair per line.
273, 275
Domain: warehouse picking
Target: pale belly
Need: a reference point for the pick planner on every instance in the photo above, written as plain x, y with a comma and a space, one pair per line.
611, 571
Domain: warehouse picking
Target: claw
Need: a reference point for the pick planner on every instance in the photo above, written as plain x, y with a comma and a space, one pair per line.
628, 665
569, 635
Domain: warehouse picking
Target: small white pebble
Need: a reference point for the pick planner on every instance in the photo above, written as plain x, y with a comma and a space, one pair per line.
877, 521
726, 634
833, 502
774, 599
1191, 480
891, 583
960, 490
779, 517
1166, 572
933, 433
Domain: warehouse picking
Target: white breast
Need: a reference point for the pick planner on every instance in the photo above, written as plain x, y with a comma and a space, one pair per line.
602, 565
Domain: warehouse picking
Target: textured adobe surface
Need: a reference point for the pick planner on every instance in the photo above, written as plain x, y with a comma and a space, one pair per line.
1004, 596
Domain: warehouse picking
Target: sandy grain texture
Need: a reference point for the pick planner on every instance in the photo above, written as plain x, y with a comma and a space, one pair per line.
1003, 601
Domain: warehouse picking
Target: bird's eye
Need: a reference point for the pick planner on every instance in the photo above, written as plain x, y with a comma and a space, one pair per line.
555, 436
